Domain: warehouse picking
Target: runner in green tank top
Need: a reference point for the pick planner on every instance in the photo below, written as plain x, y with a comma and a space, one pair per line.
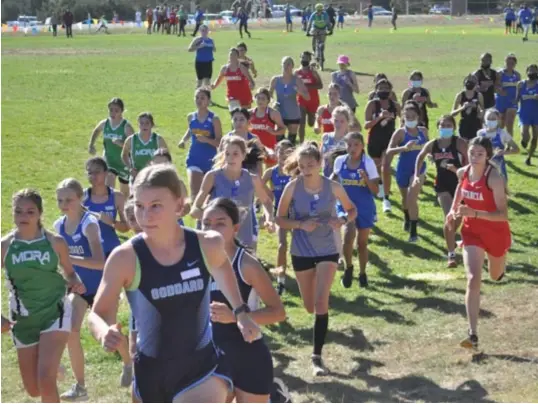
40, 313
139, 148
115, 131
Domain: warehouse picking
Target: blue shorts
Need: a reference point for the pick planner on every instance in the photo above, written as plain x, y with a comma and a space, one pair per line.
250, 366
162, 381
528, 119
504, 103
341, 19
405, 175
366, 215
198, 164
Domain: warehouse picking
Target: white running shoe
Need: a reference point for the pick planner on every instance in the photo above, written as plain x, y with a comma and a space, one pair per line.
75, 394
280, 393
387, 207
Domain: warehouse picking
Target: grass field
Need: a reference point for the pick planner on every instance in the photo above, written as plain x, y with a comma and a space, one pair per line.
395, 341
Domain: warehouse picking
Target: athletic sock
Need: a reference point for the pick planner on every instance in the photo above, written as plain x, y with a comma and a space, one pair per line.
413, 228
386, 197
406, 215
292, 137
321, 325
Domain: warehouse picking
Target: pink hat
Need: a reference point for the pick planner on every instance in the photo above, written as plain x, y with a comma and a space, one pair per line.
343, 59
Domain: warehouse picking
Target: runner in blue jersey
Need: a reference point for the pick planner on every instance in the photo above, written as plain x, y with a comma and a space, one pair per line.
358, 175
229, 179
250, 365
162, 156
80, 229
502, 142
509, 20
527, 96
277, 180
205, 49
505, 98
308, 208
106, 203
525, 19
166, 272
205, 131
407, 142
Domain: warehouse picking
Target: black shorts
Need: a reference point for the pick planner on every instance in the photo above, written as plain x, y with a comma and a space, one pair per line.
508, 23
161, 380
250, 365
204, 70
291, 121
117, 174
446, 186
377, 145
88, 299
305, 263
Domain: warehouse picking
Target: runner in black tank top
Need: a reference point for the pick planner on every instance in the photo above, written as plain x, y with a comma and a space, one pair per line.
446, 151
487, 80
380, 120
166, 272
420, 95
470, 103
250, 365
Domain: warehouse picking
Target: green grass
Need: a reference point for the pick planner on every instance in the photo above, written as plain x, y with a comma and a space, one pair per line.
395, 341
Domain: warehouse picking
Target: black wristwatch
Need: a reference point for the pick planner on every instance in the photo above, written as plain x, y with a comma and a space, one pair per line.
241, 309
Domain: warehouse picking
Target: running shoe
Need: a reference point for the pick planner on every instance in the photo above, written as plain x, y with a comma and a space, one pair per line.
126, 377
407, 226
387, 207
381, 193
280, 288
471, 342
528, 161
452, 263
363, 280
75, 394
347, 278
318, 368
413, 238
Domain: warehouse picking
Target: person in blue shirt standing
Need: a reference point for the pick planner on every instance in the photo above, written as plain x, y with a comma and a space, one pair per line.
509, 19
199, 19
242, 17
204, 48
370, 15
535, 21
307, 12
289, 24
527, 97
525, 18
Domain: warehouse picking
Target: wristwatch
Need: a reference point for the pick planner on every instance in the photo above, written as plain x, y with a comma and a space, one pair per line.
241, 309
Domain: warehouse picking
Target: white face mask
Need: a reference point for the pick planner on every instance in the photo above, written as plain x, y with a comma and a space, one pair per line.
411, 124
492, 124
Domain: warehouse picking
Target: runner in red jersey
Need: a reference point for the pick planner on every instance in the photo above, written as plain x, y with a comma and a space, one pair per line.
485, 227
324, 114
238, 80
313, 83
267, 124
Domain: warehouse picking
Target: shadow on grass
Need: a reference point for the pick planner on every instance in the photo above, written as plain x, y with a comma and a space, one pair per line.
527, 197
520, 171
519, 208
402, 389
408, 249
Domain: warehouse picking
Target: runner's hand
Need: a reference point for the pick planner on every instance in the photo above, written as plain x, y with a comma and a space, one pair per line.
309, 225
75, 285
221, 313
181, 144
7, 324
112, 338
248, 327
91, 149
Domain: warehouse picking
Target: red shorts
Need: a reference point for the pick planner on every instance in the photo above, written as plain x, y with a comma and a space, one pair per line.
245, 100
309, 106
495, 240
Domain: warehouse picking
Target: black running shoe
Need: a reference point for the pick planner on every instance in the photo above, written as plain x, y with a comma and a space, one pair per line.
528, 161
318, 368
407, 226
363, 280
347, 278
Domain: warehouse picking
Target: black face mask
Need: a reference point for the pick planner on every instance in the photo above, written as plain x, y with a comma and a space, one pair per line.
470, 86
305, 63
383, 95
486, 65
533, 76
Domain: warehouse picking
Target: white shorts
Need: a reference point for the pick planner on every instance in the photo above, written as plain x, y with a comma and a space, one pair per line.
233, 104
526, 27
61, 324
194, 169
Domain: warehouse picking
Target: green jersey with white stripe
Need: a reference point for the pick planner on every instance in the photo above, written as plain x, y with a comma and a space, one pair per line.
142, 152
36, 288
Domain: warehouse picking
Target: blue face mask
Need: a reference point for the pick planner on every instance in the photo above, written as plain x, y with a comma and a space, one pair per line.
416, 83
446, 132
492, 124
411, 124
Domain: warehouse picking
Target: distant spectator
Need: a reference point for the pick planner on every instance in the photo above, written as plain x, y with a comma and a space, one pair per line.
149, 19
198, 18
68, 22
535, 21
54, 24
182, 15
332, 15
